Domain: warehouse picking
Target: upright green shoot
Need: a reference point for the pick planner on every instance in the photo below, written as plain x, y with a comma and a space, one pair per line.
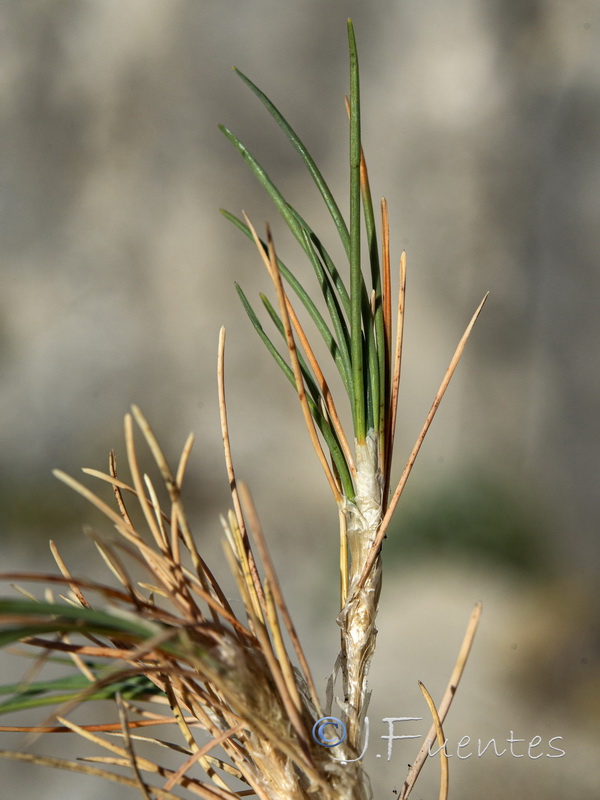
356, 277
358, 338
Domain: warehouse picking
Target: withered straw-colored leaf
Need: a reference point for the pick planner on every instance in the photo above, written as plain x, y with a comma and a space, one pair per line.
441, 742
447, 699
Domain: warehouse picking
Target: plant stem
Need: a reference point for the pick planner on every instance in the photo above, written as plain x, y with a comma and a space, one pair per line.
357, 617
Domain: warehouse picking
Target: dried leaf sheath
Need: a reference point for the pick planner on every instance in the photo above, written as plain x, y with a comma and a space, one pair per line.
357, 617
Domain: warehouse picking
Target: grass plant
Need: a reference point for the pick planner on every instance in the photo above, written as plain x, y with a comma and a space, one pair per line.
169, 649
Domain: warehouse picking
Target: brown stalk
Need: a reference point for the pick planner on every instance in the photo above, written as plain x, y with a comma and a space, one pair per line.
148, 766
271, 574
105, 727
208, 582
447, 699
283, 309
173, 487
153, 561
415, 451
281, 653
238, 755
241, 525
84, 769
137, 480
64, 571
283, 688
190, 741
96, 501
162, 542
240, 571
386, 305
393, 412
249, 577
116, 567
441, 741
183, 461
117, 486
109, 557
281, 296
129, 749
199, 754
327, 397
175, 581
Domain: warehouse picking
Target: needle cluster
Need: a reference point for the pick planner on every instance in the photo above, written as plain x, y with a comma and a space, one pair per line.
169, 648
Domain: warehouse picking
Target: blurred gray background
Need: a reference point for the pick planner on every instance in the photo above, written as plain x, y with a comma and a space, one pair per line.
481, 125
